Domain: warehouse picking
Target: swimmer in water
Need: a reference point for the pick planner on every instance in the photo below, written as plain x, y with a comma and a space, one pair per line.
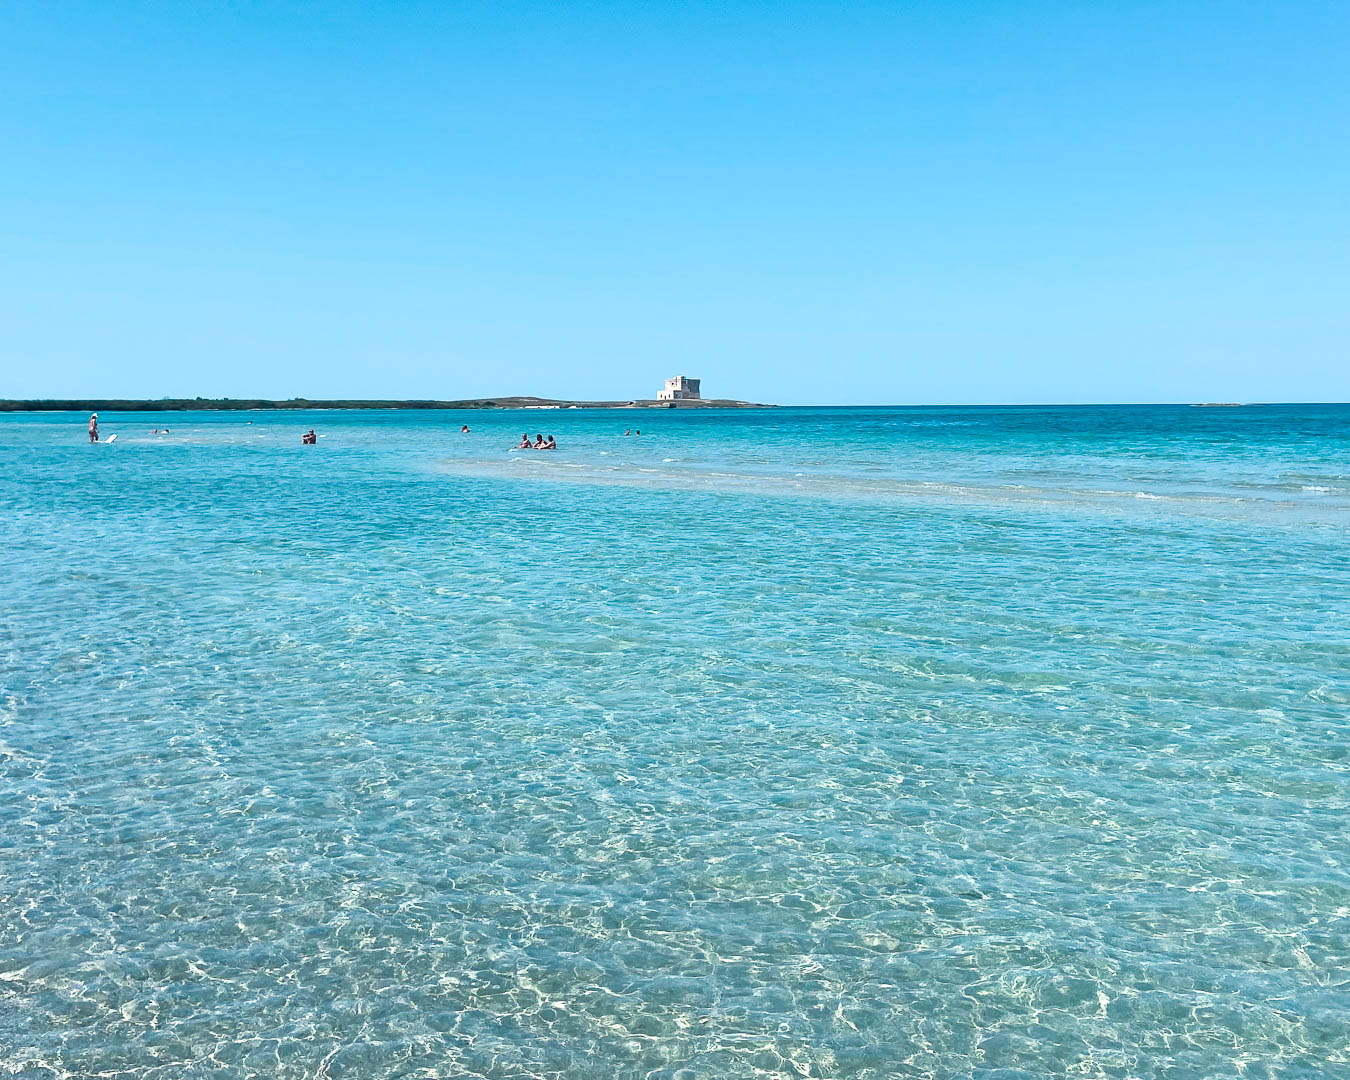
550, 445
93, 427
464, 429
524, 443
538, 442
628, 431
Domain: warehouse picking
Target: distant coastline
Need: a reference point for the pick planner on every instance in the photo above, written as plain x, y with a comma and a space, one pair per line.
297, 404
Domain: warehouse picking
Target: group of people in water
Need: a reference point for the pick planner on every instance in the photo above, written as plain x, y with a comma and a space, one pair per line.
93, 429
540, 442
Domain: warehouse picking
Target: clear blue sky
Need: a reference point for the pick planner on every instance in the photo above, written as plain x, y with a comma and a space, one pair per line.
801, 203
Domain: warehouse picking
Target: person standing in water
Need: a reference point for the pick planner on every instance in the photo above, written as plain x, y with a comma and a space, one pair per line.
93, 427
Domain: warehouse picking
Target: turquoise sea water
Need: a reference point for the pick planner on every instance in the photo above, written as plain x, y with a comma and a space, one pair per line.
996, 743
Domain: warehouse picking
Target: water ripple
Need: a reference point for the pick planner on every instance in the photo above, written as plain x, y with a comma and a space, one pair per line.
340, 766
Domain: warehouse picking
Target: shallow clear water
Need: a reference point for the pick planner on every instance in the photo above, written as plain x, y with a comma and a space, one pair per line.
839, 743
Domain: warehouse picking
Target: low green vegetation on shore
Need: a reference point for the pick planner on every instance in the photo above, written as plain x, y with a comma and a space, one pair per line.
243, 404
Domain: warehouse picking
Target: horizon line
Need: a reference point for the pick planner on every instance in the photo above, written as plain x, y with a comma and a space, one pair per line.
507, 402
